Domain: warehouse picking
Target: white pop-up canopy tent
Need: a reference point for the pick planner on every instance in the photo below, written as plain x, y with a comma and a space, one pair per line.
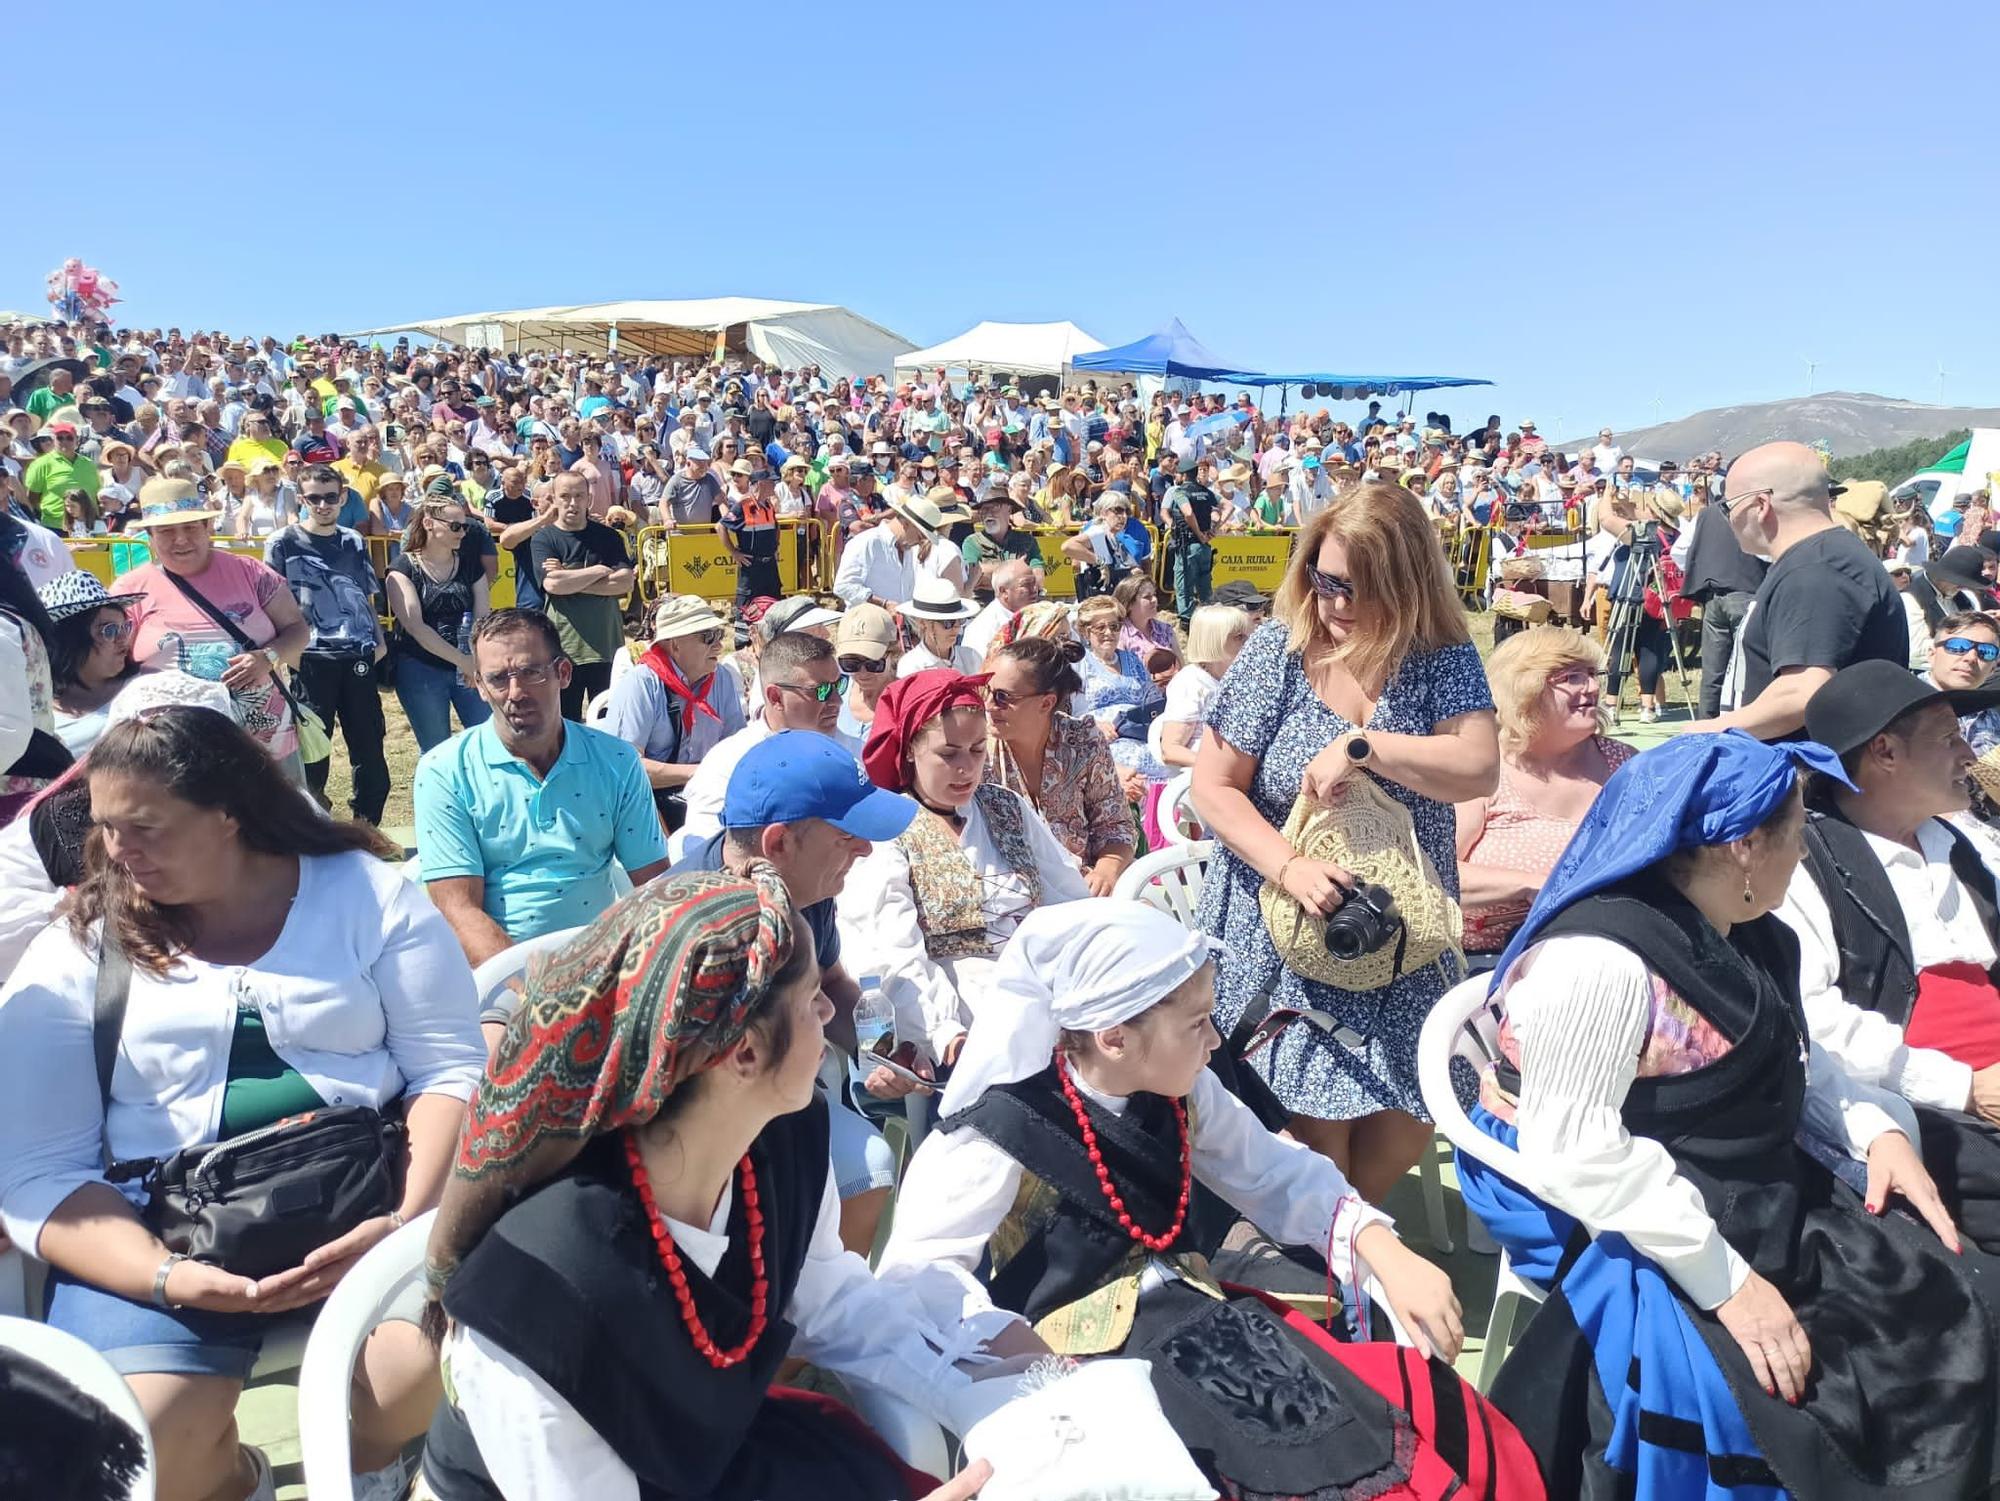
788, 334
1017, 348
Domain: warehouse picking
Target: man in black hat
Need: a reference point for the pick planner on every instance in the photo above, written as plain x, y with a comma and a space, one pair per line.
1896, 911
1246, 597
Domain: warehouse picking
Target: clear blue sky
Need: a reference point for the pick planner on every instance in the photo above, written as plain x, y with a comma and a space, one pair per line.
1664, 208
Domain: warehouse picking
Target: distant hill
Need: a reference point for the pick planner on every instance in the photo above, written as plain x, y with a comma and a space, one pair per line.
1894, 465
1850, 422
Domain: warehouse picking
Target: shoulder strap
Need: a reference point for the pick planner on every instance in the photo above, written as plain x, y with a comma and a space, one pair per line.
114, 988
202, 603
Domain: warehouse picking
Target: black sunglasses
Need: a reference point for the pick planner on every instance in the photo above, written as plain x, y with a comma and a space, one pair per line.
1330, 585
328, 499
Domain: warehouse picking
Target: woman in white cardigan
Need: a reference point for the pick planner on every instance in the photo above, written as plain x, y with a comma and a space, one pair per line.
278, 966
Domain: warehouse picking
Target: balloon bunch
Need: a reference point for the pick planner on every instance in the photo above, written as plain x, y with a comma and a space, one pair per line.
77, 291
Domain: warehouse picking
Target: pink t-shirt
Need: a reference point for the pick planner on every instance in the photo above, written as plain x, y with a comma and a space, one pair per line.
171, 630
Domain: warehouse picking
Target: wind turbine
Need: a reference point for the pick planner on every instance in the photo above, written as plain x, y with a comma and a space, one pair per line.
1812, 366
1941, 375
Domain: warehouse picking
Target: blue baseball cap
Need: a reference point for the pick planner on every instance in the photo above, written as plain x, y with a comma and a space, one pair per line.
801, 774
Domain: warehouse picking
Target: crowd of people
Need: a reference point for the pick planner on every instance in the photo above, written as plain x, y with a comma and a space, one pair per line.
797, 859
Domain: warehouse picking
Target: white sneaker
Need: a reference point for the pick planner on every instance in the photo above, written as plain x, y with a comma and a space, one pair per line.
390, 1483
266, 1488
1649, 715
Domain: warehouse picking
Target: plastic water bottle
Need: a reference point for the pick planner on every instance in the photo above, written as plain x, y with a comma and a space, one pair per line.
874, 1019
465, 633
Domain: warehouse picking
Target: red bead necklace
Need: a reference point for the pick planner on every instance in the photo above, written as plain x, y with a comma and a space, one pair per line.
760, 1285
1113, 1197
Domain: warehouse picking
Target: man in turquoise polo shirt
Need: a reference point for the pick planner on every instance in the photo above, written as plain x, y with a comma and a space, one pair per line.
520, 819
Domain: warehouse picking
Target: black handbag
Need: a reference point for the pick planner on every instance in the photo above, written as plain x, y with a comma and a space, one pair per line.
259, 1203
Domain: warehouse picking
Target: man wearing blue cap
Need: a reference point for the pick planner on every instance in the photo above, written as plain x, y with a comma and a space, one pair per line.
800, 802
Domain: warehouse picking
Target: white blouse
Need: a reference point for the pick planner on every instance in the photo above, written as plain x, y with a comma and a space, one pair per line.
365, 992
1579, 1009
960, 1186
935, 1000
536, 1447
1944, 928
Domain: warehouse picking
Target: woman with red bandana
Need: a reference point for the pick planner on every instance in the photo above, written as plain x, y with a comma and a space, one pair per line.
929, 912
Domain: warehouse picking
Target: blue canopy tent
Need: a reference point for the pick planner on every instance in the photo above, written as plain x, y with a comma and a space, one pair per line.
1350, 387
1171, 351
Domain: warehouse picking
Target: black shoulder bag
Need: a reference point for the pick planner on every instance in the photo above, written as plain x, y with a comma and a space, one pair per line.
260, 1203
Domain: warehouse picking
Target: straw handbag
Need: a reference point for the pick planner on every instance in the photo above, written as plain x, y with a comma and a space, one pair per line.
1369, 834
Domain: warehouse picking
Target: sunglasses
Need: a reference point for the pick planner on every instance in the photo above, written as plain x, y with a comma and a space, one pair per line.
1002, 699
1729, 503
1958, 646
453, 526
112, 630
332, 499
818, 692
863, 664
1330, 585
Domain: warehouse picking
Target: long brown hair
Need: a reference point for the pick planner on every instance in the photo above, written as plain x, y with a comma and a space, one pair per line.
1397, 567
417, 535
203, 758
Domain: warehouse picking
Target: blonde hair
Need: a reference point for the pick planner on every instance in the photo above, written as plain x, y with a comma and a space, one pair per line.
1209, 630
1521, 669
1099, 607
1399, 574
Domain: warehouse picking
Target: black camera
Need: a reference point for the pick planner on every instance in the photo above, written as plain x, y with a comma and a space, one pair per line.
1363, 923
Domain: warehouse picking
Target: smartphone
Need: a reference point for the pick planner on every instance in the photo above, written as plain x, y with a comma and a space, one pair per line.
868, 1059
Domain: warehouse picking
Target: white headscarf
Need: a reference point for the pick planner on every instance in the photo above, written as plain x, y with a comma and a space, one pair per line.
1083, 966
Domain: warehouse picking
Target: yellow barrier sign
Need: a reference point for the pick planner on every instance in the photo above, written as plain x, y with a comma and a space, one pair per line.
694, 559
1254, 558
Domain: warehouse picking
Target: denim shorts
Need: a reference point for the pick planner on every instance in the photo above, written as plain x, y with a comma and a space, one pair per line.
141, 1340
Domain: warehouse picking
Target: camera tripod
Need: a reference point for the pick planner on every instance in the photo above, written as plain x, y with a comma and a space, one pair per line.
1621, 632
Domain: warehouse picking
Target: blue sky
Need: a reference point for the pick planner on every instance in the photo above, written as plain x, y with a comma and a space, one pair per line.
1615, 212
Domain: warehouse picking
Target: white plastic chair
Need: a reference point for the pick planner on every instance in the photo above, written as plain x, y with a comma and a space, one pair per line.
1178, 820
88, 1371
512, 963
1466, 1025
1169, 879
367, 1292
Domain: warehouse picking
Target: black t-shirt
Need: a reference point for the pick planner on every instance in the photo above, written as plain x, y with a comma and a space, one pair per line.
1826, 603
819, 915
446, 607
507, 510
587, 623
763, 425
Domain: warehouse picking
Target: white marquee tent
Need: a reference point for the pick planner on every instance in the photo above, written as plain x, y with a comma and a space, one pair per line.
789, 334
1017, 348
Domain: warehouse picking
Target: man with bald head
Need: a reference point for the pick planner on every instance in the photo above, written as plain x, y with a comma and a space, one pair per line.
1016, 585
1826, 603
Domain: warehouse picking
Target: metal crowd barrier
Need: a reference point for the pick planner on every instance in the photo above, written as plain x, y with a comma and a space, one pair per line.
694, 559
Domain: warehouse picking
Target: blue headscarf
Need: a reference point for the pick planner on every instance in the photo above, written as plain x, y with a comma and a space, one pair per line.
1694, 790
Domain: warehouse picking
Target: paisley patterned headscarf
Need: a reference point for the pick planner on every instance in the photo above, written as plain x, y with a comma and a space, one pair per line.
598, 1043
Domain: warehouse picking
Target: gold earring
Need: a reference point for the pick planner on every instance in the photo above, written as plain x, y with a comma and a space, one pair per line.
1748, 898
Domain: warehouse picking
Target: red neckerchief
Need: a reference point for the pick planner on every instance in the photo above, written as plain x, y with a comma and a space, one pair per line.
697, 702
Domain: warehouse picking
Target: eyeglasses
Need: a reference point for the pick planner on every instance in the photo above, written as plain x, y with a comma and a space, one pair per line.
1958, 646
1729, 503
712, 637
326, 498
527, 677
1330, 585
1002, 699
111, 630
818, 692
863, 664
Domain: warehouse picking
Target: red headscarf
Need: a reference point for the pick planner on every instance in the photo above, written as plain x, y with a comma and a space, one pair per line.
906, 706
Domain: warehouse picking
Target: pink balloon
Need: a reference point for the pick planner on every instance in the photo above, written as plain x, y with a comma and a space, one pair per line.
72, 265
86, 282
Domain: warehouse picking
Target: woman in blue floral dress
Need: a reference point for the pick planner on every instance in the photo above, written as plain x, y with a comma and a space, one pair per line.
1365, 669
